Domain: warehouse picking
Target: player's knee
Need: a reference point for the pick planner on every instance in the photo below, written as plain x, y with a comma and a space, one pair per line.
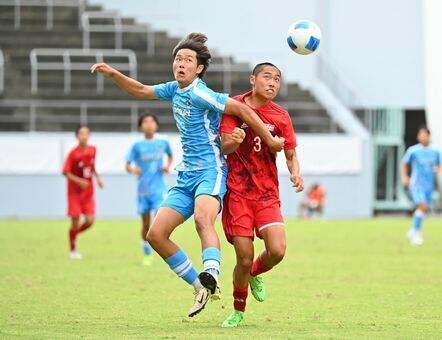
202, 221
277, 253
155, 237
245, 263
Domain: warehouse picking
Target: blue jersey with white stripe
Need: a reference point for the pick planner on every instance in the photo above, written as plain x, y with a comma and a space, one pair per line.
148, 156
197, 111
423, 161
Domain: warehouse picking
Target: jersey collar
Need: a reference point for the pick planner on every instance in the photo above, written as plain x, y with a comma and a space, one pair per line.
188, 87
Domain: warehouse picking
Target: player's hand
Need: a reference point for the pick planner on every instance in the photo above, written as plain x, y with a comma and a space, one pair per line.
100, 183
83, 184
297, 182
136, 171
103, 69
406, 181
238, 135
277, 144
165, 170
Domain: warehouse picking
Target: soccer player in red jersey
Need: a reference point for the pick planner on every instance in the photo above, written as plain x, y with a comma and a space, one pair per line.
252, 205
79, 169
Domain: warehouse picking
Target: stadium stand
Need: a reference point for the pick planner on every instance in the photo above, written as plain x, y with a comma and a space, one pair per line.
47, 47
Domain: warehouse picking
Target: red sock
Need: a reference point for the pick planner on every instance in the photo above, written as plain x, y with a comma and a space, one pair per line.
258, 267
240, 297
72, 237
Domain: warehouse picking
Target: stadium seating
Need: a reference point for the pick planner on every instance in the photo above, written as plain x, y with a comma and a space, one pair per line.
55, 105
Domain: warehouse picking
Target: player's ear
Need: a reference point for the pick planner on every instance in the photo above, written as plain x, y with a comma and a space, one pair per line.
252, 80
199, 69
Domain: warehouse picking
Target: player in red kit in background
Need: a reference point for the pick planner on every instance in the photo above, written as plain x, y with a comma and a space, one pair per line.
252, 205
79, 169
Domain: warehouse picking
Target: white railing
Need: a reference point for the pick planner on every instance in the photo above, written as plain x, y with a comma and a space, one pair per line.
226, 68
67, 65
49, 4
2, 72
114, 25
84, 107
131, 107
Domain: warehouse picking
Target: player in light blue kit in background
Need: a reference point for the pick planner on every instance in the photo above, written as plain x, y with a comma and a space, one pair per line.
424, 161
145, 159
201, 181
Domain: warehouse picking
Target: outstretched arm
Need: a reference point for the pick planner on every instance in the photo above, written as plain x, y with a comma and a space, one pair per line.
131, 86
248, 116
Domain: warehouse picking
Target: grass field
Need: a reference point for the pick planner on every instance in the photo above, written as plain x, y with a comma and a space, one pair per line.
339, 280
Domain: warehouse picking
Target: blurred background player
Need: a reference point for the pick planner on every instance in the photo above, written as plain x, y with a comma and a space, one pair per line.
145, 160
423, 161
202, 173
313, 203
252, 205
79, 169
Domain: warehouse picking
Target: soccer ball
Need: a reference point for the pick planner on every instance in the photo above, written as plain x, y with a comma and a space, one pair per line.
304, 37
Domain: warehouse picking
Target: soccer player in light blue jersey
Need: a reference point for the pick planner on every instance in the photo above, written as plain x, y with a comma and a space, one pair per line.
201, 182
145, 160
424, 162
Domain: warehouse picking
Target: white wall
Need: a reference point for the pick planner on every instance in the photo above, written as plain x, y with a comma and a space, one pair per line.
376, 44
36, 188
433, 65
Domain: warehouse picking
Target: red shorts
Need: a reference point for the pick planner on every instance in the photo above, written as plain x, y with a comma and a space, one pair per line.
244, 217
81, 204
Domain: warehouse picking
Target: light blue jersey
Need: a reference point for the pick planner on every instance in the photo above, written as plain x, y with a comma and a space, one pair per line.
197, 111
148, 156
422, 161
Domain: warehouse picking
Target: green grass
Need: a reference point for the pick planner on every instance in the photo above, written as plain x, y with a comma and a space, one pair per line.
339, 280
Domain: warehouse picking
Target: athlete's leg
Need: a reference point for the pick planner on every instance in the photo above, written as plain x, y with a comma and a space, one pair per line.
164, 223
275, 246
145, 224
206, 210
244, 261
75, 221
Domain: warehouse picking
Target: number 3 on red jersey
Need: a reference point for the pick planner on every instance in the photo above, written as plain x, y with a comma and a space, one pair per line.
257, 146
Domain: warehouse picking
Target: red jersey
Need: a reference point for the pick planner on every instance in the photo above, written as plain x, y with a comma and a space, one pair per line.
81, 163
252, 167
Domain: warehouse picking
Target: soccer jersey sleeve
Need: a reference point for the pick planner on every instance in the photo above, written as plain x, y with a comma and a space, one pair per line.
207, 99
165, 91
67, 166
168, 149
437, 158
288, 133
132, 154
407, 157
228, 123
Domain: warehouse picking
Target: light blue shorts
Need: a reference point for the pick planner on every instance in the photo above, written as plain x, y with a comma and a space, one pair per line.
191, 184
420, 196
148, 204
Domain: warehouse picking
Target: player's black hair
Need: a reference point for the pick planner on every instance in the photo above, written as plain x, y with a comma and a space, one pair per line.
424, 127
258, 68
79, 127
145, 115
196, 42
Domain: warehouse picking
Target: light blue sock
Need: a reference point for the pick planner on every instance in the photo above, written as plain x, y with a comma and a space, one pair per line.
181, 265
147, 249
212, 260
417, 220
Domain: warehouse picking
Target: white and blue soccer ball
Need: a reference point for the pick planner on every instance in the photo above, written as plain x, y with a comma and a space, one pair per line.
304, 37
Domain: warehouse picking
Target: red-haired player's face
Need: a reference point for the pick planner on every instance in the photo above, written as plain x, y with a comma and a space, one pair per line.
267, 82
83, 135
185, 67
